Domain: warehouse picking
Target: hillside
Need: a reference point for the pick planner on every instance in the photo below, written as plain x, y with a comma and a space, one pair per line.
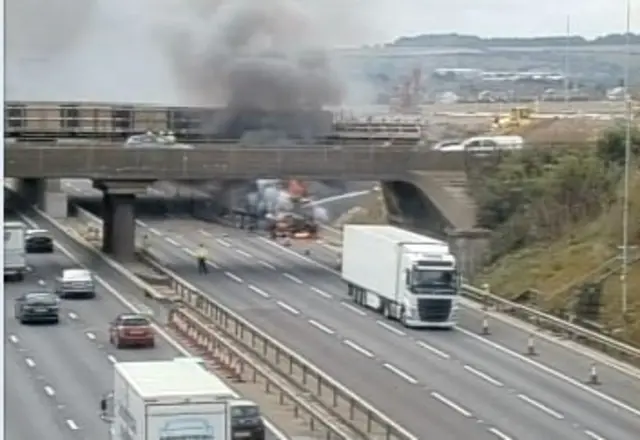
553, 268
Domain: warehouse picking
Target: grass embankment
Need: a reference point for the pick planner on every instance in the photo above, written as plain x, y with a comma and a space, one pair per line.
555, 268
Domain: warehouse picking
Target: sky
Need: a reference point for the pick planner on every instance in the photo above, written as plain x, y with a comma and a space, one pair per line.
179, 51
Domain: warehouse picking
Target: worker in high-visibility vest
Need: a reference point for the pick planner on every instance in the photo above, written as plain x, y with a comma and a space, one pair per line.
201, 255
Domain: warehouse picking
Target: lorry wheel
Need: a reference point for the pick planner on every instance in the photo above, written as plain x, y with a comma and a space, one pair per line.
386, 312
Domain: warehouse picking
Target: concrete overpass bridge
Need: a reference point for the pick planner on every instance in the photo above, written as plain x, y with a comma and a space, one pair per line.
409, 176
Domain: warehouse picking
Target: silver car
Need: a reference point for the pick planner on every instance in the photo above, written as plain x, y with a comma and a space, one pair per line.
75, 283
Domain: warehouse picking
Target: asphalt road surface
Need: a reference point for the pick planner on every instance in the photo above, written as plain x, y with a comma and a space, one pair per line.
56, 374
449, 384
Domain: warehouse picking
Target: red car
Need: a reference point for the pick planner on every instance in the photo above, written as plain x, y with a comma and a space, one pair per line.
129, 330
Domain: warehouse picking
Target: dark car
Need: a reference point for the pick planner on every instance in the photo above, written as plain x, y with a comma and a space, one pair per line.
38, 241
130, 329
37, 307
246, 420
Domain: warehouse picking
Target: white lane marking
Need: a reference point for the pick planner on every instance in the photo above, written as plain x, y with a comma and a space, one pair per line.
205, 233
321, 327
293, 278
141, 223
397, 371
354, 309
72, 425
433, 350
391, 328
501, 435
72, 315
233, 276
128, 304
213, 264
243, 253
267, 265
49, 391
259, 291
555, 373
223, 243
593, 435
112, 358
451, 404
320, 292
30, 362
358, 348
553, 413
91, 336
172, 241
483, 376
13, 339
154, 231
288, 308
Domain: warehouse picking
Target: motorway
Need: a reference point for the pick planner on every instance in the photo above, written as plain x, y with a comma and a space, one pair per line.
56, 375
449, 384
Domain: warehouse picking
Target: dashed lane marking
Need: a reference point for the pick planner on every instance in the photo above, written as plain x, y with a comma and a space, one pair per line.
288, 308
49, 391
451, 404
433, 350
259, 291
320, 292
391, 328
321, 327
398, 372
542, 407
358, 348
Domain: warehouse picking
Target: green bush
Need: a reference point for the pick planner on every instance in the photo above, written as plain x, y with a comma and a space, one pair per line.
612, 144
537, 194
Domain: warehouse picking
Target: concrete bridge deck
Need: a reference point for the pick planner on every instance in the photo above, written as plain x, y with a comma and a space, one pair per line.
232, 161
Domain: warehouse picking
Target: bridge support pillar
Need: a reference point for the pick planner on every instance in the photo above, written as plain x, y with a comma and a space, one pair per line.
45, 194
119, 225
471, 248
118, 217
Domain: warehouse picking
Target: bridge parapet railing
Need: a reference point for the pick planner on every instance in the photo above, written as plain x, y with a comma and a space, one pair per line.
219, 161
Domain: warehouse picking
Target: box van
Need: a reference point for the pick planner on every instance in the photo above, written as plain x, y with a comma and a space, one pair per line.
486, 144
15, 253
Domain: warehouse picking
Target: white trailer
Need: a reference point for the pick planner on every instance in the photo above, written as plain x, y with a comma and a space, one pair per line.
168, 400
15, 253
403, 275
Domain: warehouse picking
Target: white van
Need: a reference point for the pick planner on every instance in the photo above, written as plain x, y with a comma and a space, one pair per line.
15, 253
486, 144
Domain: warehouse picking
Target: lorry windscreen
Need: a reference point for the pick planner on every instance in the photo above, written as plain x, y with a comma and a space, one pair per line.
434, 279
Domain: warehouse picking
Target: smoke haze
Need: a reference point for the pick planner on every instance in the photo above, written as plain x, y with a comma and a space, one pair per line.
268, 54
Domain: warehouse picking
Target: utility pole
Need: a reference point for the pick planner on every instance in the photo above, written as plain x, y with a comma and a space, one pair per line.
566, 63
627, 168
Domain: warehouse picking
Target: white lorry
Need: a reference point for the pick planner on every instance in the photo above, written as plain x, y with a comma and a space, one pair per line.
177, 400
404, 276
15, 253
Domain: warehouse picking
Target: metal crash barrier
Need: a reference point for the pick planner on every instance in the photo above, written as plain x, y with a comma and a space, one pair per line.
493, 302
352, 410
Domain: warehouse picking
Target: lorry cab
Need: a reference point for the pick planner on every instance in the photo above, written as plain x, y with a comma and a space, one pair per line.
404, 276
430, 286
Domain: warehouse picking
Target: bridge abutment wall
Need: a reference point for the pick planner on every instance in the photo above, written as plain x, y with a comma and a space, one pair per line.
46, 194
